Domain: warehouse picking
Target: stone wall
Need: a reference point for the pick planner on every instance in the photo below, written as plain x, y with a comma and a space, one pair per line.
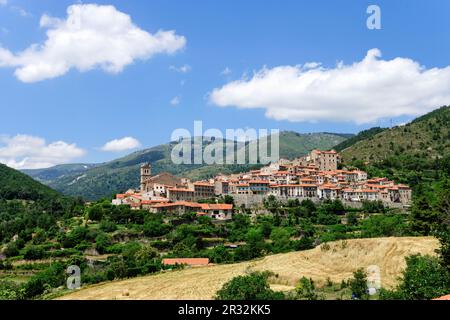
256, 201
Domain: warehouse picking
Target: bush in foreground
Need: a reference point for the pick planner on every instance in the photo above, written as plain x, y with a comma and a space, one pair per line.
254, 286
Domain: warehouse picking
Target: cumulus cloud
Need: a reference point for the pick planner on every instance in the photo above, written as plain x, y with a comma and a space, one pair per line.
92, 36
183, 69
119, 145
30, 152
362, 92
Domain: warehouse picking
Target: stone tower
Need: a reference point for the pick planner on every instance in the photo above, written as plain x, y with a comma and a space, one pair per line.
146, 173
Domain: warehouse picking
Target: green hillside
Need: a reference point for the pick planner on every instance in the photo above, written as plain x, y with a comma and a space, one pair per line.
17, 185
417, 153
293, 144
427, 137
363, 135
115, 176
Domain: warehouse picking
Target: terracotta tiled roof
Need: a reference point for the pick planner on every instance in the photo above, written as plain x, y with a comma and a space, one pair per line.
188, 261
180, 190
178, 204
154, 201
203, 206
217, 206
203, 184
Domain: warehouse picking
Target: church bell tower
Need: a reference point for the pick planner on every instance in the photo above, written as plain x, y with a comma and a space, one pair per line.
146, 173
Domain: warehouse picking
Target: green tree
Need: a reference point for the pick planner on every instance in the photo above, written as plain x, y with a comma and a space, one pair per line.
33, 253
352, 219
424, 220
228, 199
10, 291
11, 250
155, 228
424, 278
95, 213
220, 254
52, 277
107, 226
359, 285
306, 289
442, 207
444, 250
102, 242
146, 254
384, 226
255, 242
280, 240
254, 286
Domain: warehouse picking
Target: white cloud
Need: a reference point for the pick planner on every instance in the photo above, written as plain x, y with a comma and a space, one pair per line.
227, 71
119, 145
3, 2
175, 101
30, 152
20, 11
92, 36
362, 92
183, 69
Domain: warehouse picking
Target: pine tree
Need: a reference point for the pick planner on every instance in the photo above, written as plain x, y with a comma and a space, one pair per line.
424, 219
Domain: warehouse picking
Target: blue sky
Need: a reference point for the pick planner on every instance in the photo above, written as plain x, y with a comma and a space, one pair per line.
93, 107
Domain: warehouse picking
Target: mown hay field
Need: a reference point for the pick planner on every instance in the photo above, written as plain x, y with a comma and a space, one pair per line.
336, 261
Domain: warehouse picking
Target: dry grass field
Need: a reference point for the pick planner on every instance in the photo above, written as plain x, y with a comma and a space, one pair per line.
337, 261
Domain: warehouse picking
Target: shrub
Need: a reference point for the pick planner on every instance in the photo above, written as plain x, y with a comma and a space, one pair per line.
327, 219
304, 243
102, 242
155, 228
34, 253
384, 226
52, 277
95, 213
11, 250
424, 278
281, 240
306, 289
107, 226
254, 286
9, 291
359, 285
220, 254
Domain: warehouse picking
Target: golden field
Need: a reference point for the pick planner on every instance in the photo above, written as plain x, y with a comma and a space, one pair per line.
336, 261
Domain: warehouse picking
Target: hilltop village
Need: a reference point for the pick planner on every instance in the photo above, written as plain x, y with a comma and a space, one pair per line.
315, 176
